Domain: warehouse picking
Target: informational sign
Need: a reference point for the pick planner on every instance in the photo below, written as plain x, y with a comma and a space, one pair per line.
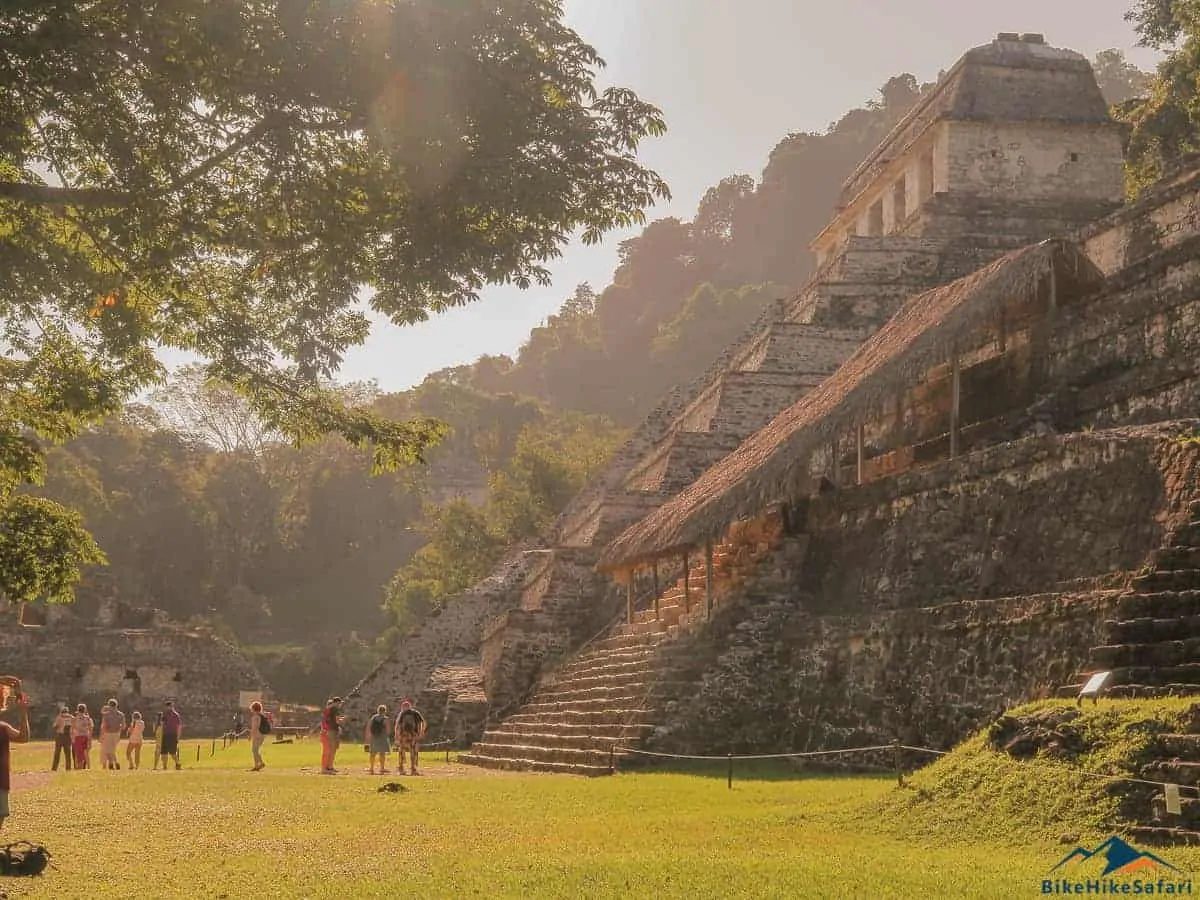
1095, 685
1174, 807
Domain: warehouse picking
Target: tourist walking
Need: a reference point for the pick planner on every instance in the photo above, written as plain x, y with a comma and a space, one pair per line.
260, 727
410, 728
61, 727
112, 725
375, 736
10, 736
172, 730
81, 735
331, 734
158, 720
133, 747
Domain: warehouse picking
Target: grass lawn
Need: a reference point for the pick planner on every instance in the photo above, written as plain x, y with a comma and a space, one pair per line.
216, 830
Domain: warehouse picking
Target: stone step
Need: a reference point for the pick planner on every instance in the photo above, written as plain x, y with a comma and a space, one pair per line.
1187, 817
1166, 580
623, 641
1160, 605
1172, 771
1177, 558
533, 753
549, 739
528, 765
1163, 837
1187, 535
1149, 691
631, 732
634, 717
602, 667
632, 691
627, 700
613, 674
1180, 746
1149, 630
1160, 653
1185, 673
641, 629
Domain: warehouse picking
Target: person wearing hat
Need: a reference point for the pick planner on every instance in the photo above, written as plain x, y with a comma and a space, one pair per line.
331, 734
61, 728
410, 728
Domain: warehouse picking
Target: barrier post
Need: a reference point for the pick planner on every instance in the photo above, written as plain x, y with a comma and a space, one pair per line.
447, 754
213, 751
729, 774
896, 756
612, 759
197, 753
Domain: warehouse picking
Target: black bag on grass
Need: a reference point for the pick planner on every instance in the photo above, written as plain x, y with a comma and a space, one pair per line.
23, 858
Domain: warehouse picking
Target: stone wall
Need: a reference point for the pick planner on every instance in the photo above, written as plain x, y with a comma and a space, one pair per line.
141, 668
923, 605
1012, 519
1035, 160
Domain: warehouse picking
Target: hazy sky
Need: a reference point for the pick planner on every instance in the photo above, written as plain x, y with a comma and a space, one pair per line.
733, 79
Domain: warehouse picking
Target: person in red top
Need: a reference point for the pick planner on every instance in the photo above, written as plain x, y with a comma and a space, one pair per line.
331, 734
10, 736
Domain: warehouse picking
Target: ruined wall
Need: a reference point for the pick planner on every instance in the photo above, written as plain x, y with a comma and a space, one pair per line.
1012, 519
774, 676
884, 627
1036, 160
76, 664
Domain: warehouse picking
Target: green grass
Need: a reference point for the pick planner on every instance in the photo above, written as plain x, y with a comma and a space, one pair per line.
974, 825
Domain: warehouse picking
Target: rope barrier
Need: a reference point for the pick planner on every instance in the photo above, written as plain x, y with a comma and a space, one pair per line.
802, 755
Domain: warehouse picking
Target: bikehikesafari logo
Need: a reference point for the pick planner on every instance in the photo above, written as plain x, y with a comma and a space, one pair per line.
1125, 871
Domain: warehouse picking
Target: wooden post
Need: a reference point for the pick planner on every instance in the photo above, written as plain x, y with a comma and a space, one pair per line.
629, 597
955, 397
687, 584
708, 577
729, 775
655, 572
896, 758
197, 753
858, 447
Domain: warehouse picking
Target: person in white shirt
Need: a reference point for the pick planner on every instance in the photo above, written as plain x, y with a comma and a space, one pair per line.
137, 734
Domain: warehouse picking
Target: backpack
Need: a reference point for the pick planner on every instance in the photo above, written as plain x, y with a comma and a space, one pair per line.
264, 724
408, 721
23, 858
378, 724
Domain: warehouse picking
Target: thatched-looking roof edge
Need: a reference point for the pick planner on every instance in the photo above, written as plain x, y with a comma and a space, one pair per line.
773, 463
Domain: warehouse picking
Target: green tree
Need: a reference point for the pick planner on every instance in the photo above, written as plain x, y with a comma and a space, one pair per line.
1165, 124
232, 178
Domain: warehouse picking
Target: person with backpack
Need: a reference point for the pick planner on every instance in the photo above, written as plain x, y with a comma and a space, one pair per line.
410, 728
375, 737
260, 727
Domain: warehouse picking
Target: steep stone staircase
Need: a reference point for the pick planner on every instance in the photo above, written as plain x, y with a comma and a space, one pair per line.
609, 693
1154, 646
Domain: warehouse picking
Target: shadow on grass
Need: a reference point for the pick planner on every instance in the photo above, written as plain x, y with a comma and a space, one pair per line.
748, 770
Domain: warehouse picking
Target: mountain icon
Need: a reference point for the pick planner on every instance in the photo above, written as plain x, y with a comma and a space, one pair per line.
1119, 858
